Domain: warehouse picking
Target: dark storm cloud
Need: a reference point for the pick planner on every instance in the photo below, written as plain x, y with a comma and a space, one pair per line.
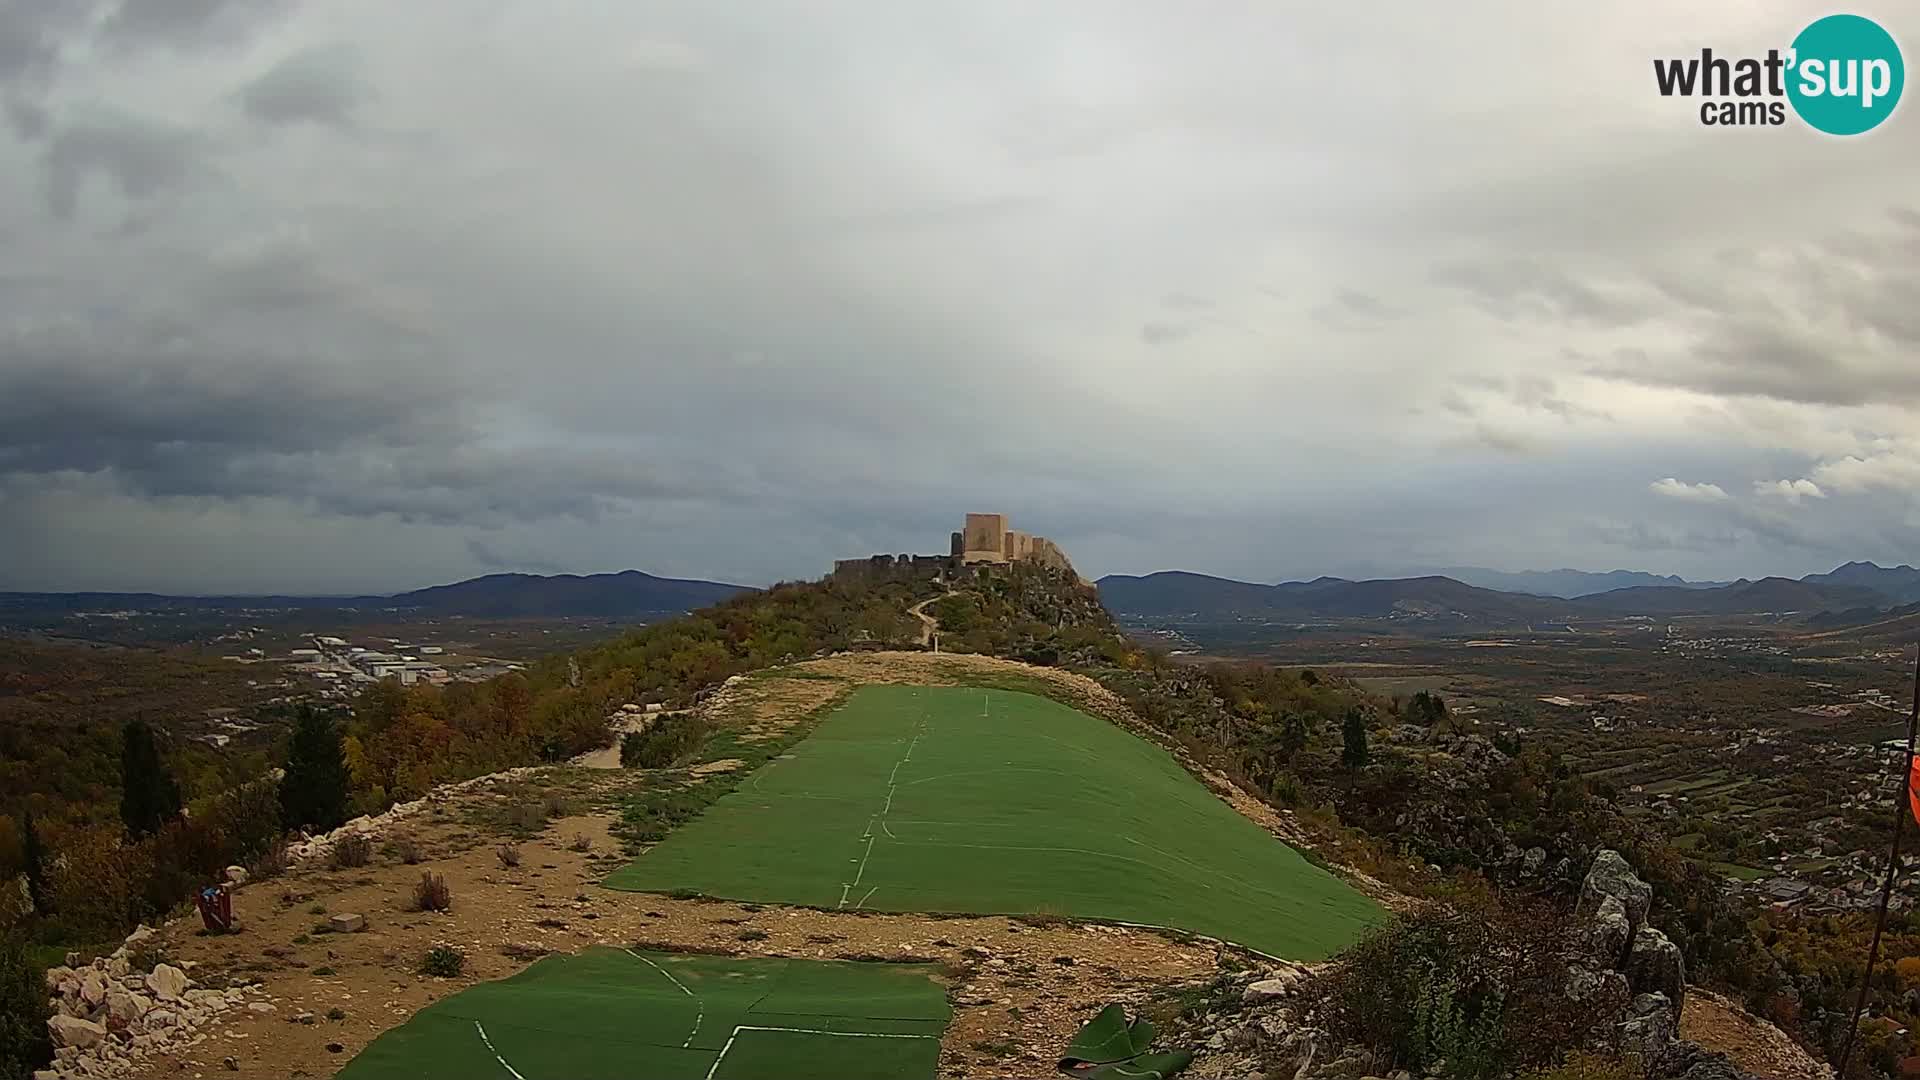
1765, 359
32, 33
141, 159
486, 556
162, 418
188, 23
317, 86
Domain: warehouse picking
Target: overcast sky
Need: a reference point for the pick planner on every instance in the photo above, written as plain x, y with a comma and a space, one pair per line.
353, 294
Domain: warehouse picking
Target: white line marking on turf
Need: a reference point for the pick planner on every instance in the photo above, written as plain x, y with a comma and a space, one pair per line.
863, 862
715, 1067
515, 1073
864, 899
700, 1007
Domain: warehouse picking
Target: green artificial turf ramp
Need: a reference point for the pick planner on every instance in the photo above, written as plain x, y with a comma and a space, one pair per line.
615, 1014
958, 799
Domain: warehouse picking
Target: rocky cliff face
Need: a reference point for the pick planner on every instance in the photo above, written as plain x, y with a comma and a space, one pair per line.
1274, 1024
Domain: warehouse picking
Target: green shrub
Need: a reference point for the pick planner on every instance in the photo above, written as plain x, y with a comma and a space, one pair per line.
667, 742
24, 1045
443, 961
1475, 992
352, 850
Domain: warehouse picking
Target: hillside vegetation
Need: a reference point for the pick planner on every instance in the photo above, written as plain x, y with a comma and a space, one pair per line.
1394, 788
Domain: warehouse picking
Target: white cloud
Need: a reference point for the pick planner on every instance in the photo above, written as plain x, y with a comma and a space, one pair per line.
1790, 490
1897, 470
1679, 489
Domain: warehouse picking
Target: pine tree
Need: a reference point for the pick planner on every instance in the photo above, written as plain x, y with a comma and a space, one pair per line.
35, 858
1353, 733
313, 793
149, 796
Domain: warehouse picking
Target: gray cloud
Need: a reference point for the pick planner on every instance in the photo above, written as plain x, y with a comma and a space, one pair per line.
731, 297
317, 86
1351, 309
1524, 288
141, 159
187, 23
1160, 333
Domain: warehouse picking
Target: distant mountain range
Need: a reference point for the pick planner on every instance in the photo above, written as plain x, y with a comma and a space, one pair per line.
628, 593
1857, 588
1565, 584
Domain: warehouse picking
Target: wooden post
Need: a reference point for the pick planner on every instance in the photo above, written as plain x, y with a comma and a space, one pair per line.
1901, 811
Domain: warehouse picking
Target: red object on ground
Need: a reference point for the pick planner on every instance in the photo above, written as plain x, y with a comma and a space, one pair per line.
1913, 786
216, 908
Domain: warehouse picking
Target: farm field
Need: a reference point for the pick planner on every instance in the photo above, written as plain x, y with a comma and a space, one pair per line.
968, 800
613, 1014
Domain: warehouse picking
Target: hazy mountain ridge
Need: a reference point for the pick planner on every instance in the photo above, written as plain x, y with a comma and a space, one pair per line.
1184, 594
630, 592
1565, 583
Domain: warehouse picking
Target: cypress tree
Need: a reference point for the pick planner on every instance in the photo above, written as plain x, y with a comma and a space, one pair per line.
1353, 734
313, 793
149, 796
36, 859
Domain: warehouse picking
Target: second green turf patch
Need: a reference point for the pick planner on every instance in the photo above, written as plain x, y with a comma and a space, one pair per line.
963, 800
614, 1014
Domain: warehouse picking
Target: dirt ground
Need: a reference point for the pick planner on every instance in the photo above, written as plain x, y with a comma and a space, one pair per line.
1754, 1045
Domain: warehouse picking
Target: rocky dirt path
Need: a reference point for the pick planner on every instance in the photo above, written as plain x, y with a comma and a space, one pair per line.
928, 624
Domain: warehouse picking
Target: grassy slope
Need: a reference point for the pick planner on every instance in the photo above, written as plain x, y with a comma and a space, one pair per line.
910, 799
611, 1014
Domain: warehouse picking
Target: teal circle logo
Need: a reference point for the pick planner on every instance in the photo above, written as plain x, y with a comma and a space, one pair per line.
1846, 75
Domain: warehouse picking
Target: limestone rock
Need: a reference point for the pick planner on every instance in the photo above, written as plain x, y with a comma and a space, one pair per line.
1612, 876
347, 924
123, 1008
93, 987
1650, 1026
1266, 990
1687, 1060
236, 876
1612, 931
75, 1032
1598, 989
167, 982
1654, 965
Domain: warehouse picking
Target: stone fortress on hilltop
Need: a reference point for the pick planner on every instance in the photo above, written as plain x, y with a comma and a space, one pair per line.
984, 543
